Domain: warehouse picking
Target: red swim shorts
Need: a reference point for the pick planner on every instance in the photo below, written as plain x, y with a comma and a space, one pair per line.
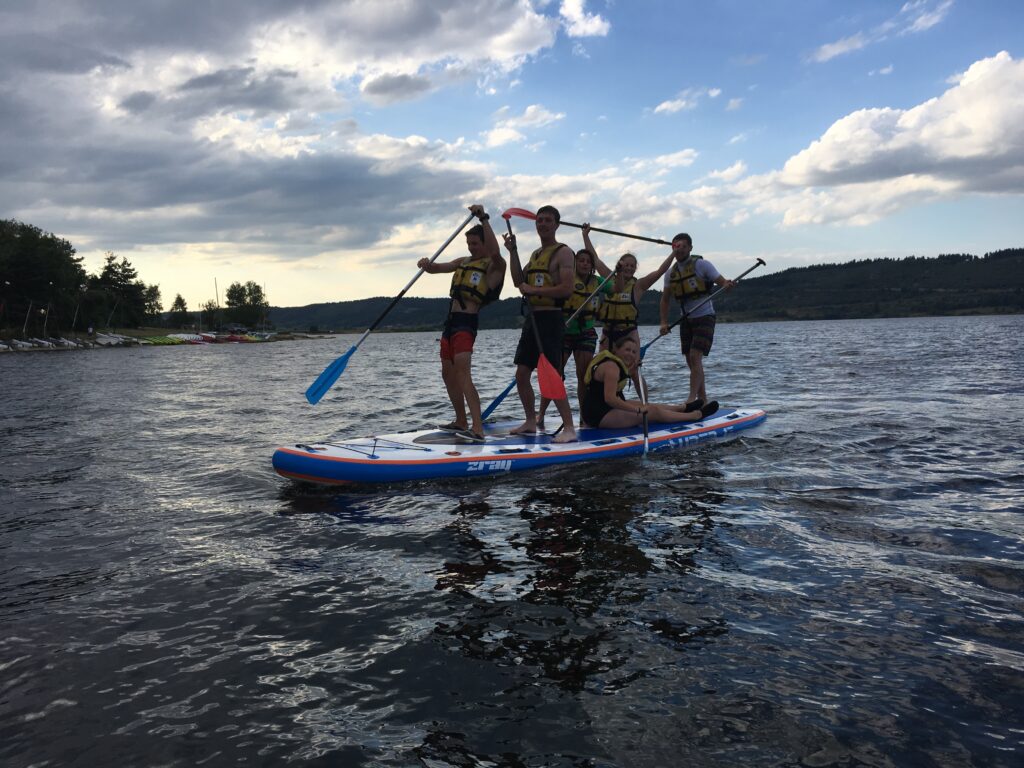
458, 342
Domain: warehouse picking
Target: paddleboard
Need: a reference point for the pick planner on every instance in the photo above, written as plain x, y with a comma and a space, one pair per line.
435, 453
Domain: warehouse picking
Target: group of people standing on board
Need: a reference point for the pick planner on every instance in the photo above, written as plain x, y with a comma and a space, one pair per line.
568, 293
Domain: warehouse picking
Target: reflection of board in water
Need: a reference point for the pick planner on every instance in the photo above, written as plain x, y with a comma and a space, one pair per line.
433, 454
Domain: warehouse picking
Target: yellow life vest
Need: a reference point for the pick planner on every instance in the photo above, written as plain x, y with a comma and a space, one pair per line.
684, 282
469, 283
618, 308
581, 291
602, 357
538, 273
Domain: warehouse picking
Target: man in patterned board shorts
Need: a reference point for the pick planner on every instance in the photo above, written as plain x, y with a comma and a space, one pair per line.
690, 282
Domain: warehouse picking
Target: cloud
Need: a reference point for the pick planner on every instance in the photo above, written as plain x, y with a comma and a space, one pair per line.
686, 99
913, 17
731, 173
388, 89
733, 105
509, 129
882, 71
875, 162
579, 23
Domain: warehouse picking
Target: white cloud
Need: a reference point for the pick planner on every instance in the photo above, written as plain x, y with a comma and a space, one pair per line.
882, 71
733, 105
913, 17
509, 129
875, 162
731, 173
686, 99
579, 23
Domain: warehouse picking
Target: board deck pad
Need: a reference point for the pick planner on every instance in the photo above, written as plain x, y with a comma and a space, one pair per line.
435, 453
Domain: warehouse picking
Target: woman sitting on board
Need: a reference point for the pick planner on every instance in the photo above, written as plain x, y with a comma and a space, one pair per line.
603, 405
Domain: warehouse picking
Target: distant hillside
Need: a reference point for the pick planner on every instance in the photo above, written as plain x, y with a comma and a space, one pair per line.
951, 284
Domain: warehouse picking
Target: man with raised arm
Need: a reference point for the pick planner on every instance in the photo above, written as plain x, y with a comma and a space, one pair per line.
546, 282
690, 282
476, 283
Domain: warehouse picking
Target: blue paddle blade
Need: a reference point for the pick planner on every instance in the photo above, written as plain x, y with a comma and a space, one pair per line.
326, 380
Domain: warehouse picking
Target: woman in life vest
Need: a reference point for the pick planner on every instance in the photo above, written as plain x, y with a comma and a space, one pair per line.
605, 379
476, 282
620, 306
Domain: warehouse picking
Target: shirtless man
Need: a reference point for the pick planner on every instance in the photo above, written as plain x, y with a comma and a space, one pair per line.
477, 282
546, 282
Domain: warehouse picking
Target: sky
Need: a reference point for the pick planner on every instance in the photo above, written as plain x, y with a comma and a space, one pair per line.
321, 147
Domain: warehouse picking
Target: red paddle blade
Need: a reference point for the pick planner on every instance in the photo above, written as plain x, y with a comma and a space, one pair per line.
520, 212
551, 385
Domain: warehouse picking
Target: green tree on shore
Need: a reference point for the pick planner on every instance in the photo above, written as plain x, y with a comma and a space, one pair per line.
247, 304
179, 314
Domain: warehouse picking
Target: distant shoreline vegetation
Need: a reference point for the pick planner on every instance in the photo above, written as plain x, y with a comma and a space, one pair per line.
915, 286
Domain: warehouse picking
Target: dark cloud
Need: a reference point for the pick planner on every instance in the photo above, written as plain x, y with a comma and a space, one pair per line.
388, 89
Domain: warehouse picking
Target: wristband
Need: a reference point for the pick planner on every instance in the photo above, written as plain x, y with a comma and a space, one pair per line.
484, 217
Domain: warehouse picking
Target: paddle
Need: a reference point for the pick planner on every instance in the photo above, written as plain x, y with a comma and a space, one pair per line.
330, 374
646, 419
643, 349
590, 298
525, 214
551, 385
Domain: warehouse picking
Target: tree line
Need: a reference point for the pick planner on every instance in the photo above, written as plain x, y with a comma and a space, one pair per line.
45, 290
913, 286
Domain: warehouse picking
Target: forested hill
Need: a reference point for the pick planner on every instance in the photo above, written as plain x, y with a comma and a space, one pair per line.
950, 284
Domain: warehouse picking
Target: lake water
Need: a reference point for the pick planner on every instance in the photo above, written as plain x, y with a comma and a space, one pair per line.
841, 586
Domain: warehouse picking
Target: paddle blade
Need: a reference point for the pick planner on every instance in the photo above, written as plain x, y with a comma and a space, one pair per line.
520, 212
551, 385
326, 380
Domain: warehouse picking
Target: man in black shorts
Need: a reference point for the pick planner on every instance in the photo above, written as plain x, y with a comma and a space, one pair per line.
546, 282
691, 282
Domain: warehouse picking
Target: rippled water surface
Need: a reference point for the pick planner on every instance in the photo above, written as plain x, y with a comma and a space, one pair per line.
841, 586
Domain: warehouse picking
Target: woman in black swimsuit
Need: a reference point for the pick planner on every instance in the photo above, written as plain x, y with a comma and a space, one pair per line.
606, 377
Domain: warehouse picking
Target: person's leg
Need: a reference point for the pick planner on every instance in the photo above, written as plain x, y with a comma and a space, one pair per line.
695, 361
582, 358
524, 385
463, 373
451, 384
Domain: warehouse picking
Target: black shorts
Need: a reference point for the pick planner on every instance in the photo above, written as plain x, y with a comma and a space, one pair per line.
580, 342
698, 333
615, 332
457, 322
551, 327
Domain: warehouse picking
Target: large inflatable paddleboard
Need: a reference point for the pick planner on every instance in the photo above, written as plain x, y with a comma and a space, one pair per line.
432, 453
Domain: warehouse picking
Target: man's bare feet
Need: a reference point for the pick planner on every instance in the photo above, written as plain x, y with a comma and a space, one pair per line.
567, 435
528, 427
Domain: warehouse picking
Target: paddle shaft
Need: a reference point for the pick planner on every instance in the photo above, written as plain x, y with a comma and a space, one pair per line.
523, 213
590, 298
330, 374
643, 349
415, 277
